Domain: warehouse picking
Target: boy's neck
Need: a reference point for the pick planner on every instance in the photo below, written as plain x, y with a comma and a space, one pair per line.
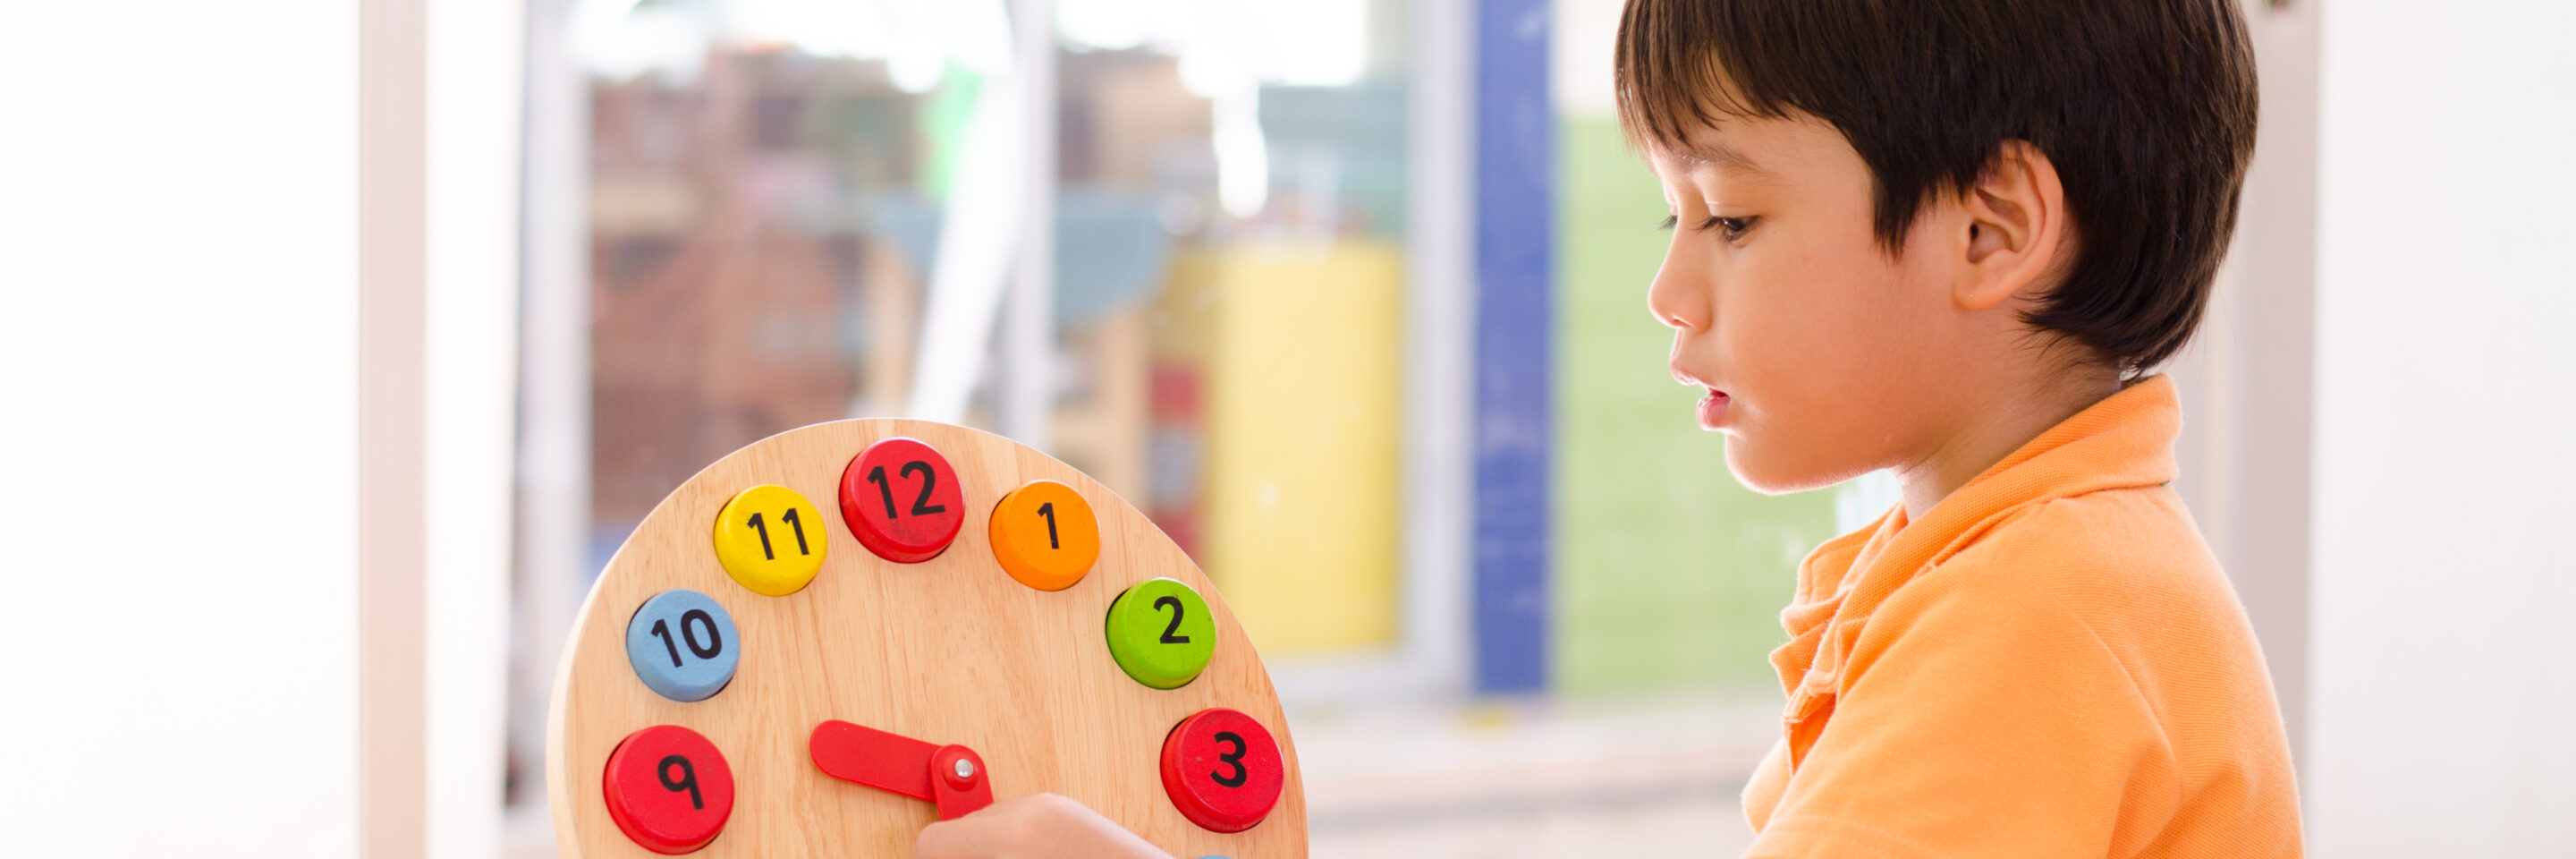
1990, 428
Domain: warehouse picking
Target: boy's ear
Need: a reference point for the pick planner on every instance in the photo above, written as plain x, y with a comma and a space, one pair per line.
2016, 222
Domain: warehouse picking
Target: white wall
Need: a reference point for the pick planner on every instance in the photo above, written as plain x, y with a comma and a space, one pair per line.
474, 109
178, 440
180, 335
2443, 687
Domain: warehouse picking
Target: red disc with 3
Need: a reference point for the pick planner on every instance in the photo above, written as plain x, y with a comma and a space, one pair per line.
902, 500
669, 789
1222, 770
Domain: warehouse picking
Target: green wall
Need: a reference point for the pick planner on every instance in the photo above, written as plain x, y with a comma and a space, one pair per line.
1670, 576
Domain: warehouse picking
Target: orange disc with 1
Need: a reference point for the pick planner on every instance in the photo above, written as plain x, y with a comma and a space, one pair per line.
902, 500
1045, 535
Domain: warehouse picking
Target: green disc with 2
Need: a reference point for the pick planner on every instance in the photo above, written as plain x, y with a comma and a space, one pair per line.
1161, 633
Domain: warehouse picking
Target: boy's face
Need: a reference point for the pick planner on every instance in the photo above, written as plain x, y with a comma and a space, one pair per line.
1823, 356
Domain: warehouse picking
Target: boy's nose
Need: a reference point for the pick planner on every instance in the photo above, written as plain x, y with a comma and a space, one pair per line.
1676, 297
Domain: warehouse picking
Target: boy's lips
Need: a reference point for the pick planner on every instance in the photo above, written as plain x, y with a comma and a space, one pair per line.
1712, 409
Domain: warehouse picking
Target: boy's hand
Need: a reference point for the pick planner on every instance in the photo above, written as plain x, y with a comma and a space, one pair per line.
1028, 827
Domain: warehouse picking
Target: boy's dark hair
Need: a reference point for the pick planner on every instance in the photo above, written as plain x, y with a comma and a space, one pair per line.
2146, 107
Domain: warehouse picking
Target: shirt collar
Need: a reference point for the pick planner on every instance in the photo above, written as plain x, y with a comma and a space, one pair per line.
2124, 441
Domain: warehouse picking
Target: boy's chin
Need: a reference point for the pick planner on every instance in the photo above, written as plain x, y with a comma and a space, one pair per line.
1771, 471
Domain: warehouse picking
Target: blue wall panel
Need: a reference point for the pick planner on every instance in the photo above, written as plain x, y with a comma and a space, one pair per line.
1515, 264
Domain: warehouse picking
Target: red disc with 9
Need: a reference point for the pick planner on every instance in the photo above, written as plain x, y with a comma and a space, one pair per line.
1222, 770
669, 789
902, 500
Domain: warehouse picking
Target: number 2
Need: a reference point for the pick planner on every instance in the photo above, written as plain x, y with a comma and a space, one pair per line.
921, 505
1234, 759
1169, 630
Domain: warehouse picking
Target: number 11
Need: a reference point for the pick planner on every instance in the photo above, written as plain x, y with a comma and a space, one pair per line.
792, 521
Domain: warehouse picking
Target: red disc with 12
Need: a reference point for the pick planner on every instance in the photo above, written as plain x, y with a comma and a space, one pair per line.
668, 789
902, 500
1222, 770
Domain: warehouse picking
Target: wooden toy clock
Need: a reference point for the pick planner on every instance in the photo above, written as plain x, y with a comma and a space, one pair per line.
836, 635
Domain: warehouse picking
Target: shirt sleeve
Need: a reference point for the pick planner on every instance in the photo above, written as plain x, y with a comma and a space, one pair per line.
1983, 718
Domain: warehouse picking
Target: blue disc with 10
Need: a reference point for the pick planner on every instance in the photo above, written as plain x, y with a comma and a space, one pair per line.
683, 645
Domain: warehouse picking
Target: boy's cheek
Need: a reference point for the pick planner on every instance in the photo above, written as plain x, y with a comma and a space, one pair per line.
1776, 452
1824, 352
1803, 409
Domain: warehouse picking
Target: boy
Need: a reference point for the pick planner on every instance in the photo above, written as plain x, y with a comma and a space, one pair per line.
1947, 238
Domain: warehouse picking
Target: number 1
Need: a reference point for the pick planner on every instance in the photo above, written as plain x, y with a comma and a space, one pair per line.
884, 490
1048, 510
765, 554
663, 629
789, 517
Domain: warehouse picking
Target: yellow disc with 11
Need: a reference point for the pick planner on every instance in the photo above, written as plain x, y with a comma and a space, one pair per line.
771, 539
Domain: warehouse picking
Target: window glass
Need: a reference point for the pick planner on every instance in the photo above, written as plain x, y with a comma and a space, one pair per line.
1230, 283
766, 189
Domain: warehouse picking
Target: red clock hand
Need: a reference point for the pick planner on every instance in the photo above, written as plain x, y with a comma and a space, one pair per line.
951, 777
874, 758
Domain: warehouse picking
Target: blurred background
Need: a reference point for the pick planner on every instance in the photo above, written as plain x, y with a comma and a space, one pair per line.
344, 343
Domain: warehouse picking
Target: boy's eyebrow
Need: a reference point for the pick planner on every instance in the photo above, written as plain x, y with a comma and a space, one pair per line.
1720, 154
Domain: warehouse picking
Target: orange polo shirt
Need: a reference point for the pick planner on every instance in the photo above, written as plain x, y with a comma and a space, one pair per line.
2049, 664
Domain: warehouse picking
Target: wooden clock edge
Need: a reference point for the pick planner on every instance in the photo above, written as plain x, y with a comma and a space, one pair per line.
560, 799
560, 793
559, 789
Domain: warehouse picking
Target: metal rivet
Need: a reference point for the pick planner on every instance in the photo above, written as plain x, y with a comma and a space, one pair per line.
965, 768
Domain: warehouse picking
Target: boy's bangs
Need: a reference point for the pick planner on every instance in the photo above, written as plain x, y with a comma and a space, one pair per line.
1679, 65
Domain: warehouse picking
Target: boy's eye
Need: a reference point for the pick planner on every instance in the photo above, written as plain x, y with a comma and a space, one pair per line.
1732, 228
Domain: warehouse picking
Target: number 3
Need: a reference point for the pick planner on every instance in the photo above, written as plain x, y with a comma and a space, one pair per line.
1234, 759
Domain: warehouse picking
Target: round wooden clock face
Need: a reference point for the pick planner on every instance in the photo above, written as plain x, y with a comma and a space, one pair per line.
837, 635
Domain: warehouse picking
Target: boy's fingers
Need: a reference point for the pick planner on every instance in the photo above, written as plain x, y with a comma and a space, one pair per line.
975, 836
1040, 825
997, 831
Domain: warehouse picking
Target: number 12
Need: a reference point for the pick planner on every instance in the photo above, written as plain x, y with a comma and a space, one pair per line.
921, 505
